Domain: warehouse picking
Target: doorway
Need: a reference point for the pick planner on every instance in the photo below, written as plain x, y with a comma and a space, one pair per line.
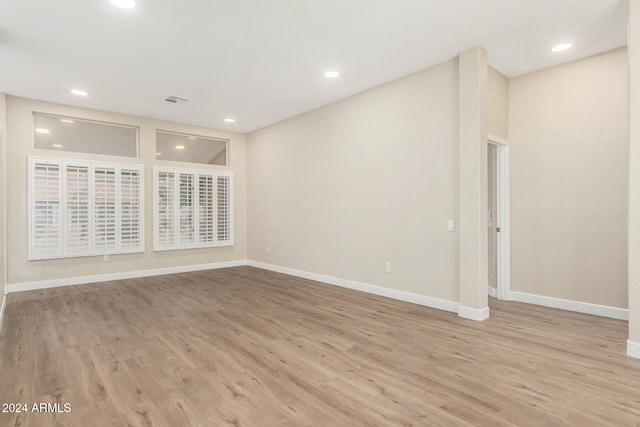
498, 223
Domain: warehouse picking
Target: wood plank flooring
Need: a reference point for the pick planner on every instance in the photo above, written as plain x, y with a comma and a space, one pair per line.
248, 347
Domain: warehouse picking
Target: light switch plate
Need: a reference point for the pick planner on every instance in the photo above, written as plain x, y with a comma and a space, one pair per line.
451, 225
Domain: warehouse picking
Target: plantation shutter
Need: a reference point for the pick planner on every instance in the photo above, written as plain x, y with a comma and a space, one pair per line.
130, 209
165, 195
224, 208
192, 208
104, 208
46, 191
186, 212
206, 209
76, 201
81, 208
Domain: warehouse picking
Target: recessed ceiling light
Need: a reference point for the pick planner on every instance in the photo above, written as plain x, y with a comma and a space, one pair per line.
179, 147
78, 92
56, 145
42, 131
124, 4
331, 74
193, 138
66, 120
158, 154
561, 47
230, 120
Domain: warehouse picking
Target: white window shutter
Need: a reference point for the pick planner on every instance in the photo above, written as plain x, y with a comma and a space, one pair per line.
165, 209
201, 204
224, 208
104, 210
186, 212
76, 200
80, 208
131, 232
46, 192
206, 209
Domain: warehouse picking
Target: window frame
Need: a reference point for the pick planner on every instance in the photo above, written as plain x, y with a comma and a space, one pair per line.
66, 212
195, 204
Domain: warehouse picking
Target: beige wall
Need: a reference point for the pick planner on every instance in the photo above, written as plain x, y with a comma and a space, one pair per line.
634, 178
498, 95
569, 165
3, 193
367, 180
19, 146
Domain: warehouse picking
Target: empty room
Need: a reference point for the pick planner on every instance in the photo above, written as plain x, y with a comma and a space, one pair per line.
305, 213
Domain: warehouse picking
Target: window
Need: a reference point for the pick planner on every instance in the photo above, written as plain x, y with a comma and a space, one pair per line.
61, 133
193, 208
190, 148
80, 208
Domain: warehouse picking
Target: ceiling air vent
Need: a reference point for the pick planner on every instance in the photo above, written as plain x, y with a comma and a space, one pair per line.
176, 99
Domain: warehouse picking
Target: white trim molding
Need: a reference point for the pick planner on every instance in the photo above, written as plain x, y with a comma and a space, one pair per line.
493, 292
577, 306
364, 287
54, 283
497, 140
477, 314
503, 215
633, 349
2, 307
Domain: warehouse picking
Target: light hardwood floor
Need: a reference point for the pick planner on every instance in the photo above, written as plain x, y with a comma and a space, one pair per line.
248, 347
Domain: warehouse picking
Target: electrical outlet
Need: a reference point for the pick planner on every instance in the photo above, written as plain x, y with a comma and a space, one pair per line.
387, 267
105, 258
451, 225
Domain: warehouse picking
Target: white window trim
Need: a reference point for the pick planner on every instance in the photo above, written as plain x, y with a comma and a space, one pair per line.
156, 200
63, 251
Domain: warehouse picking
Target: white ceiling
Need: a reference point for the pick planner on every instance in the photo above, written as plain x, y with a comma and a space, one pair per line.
261, 61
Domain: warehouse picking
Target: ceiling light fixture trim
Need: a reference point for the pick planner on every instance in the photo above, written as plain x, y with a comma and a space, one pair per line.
124, 4
561, 47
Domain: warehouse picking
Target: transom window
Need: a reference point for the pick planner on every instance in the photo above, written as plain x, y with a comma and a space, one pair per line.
191, 148
60, 133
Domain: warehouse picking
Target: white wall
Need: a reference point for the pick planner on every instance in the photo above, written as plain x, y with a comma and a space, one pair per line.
370, 179
569, 165
20, 145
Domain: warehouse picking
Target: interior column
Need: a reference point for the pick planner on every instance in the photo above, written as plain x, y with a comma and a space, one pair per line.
473, 128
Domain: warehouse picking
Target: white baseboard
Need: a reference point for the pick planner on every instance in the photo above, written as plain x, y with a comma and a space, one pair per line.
633, 349
580, 307
372, 289
44, 284
473, 313
493, 292
4, 304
